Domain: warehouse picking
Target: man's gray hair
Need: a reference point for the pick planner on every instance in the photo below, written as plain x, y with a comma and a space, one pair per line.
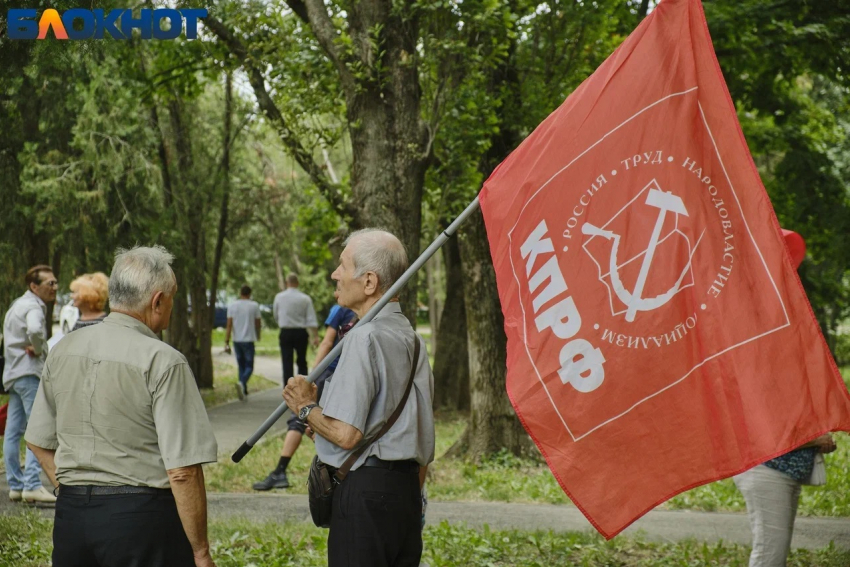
378, 251
139, 273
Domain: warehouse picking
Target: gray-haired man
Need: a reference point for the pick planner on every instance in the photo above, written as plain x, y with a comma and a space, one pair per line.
119, 426
377, 509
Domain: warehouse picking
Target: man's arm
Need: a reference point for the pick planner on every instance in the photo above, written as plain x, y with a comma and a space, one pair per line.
187, 485
326, 345
228, 330
298, 393
46, 460
35, 330
258, 326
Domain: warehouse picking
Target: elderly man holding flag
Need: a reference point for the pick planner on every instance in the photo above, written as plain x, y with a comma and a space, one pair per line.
377, 508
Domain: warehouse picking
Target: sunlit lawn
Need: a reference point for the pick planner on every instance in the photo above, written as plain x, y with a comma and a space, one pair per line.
25, 541
224, 384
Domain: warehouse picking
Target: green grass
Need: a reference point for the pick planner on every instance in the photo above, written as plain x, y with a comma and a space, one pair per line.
505, 478
224, 377
25, 541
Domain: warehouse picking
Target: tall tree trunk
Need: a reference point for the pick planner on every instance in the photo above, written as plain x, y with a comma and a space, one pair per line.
221, 234
451, 357
390, 143
435, 307
193, 339
493, 424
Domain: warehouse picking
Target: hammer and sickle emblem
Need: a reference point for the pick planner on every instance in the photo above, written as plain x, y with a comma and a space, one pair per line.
663, 201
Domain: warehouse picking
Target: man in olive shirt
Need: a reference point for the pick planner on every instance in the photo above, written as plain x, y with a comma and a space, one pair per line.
377, 509
119, 426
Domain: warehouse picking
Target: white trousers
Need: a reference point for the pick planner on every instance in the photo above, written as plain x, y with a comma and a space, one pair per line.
772, 499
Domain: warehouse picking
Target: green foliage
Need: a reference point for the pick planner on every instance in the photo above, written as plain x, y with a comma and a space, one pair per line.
785, 64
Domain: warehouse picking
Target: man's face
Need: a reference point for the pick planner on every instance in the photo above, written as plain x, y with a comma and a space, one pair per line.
350, 291
46, 290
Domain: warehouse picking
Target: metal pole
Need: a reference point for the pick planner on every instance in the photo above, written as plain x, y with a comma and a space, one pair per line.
331, 356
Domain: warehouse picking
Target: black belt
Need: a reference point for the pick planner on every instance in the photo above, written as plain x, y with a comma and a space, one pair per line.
400, 466
109, 490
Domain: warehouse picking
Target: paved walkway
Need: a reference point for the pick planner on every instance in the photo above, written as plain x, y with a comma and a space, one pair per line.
235, 422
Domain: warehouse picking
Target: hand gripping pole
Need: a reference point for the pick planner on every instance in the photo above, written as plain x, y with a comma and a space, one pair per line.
392, 292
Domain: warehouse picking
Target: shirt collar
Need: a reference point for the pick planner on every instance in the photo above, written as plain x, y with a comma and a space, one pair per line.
389, 309
31, 295
129, 322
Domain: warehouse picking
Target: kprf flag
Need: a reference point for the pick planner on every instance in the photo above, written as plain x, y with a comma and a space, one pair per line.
658, 335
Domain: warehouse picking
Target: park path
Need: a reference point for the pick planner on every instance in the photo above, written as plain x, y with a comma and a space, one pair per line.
234, 422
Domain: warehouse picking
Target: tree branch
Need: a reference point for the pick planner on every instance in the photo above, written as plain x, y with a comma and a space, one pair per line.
331, 191
314, 13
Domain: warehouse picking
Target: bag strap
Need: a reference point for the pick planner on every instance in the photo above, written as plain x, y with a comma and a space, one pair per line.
343, 471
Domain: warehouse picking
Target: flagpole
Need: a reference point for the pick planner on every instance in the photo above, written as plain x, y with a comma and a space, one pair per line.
336, 350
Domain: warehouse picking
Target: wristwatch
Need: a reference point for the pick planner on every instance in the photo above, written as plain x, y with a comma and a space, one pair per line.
305, 411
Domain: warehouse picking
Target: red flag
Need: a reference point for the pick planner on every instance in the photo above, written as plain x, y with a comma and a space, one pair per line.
658, 335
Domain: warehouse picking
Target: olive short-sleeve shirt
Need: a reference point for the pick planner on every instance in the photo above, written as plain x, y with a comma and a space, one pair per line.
119, 407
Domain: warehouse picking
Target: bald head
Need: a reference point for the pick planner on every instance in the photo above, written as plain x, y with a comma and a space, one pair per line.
378, 251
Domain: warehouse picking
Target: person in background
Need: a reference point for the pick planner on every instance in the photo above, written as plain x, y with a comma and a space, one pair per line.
120, 428
339, 321
294, 314
89, 293
772, 489
245, 324
25, 338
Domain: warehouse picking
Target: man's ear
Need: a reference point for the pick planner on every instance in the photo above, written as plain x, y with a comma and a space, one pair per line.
156, 300
370, 286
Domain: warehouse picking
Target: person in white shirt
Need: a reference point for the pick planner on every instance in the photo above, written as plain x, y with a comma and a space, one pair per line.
294, 313
25, 334
245, 324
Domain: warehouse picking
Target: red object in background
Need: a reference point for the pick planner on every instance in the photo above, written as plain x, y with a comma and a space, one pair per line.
796, 246
658, 335
4, 410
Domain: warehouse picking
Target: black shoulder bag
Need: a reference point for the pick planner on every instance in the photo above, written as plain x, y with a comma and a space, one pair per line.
323, 479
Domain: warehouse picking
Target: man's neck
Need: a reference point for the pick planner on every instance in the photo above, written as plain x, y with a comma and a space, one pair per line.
138, 316
362, 310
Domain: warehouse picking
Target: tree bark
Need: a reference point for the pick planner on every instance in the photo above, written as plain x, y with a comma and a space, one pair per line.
227, 139
388, 137
451, 358
493, 424
435, 308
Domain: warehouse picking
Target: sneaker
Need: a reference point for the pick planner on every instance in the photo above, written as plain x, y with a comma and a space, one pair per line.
40, 494
274, 480
15, 495
240, 390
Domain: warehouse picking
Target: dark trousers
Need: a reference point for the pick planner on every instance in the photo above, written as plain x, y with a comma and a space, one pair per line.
122, 530
376, 520
245, 360
293, 341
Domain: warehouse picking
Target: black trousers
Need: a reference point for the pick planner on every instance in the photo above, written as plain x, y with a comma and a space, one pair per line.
293, 341
376, 520
122, 530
